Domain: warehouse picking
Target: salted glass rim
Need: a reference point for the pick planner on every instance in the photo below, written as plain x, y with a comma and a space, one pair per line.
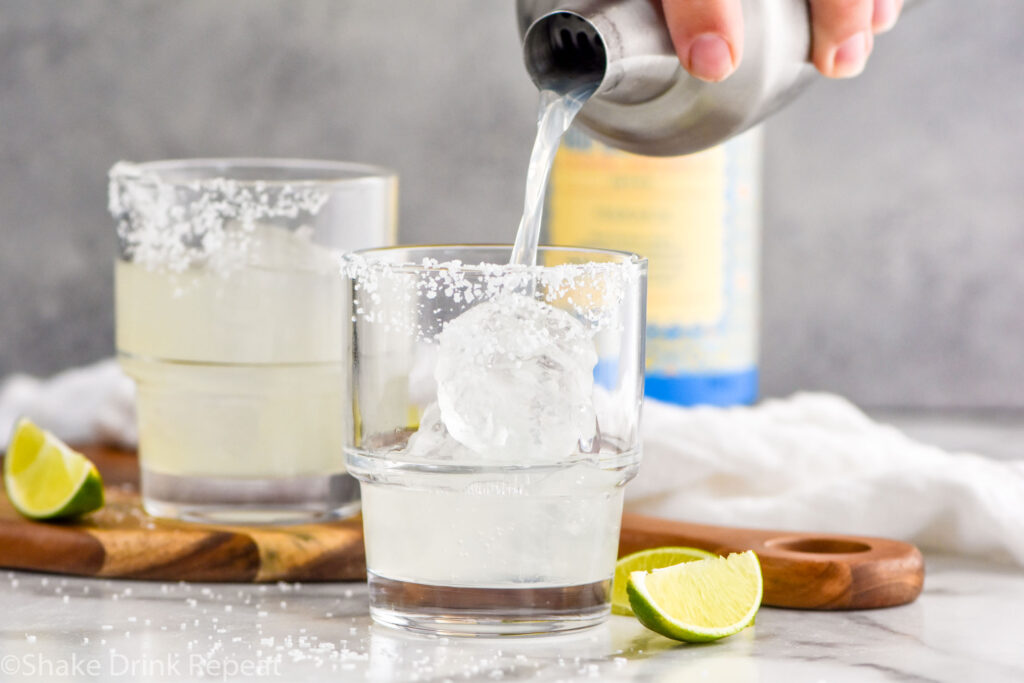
619, 258
253, 171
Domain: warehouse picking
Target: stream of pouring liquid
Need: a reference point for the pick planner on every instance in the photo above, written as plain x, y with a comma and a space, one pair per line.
555, 115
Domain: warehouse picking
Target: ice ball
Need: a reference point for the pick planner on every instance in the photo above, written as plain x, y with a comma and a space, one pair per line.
515, 380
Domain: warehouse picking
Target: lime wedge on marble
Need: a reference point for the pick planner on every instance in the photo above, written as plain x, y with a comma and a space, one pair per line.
698, 601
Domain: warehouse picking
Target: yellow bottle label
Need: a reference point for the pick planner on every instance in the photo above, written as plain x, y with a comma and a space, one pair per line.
670, 210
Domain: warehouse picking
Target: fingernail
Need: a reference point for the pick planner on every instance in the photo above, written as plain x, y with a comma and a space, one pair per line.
885, 14
710, 58
851, 55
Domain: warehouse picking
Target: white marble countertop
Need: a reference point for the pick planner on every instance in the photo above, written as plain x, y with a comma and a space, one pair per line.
966, 626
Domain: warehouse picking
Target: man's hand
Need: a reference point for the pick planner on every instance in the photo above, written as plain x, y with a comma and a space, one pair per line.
708, 34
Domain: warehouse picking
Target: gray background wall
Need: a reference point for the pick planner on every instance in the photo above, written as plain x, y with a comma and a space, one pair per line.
894, 227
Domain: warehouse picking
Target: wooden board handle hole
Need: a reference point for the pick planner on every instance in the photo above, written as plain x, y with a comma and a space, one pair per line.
821, 546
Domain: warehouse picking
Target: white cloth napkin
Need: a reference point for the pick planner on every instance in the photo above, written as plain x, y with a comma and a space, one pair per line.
813, 462
92, 404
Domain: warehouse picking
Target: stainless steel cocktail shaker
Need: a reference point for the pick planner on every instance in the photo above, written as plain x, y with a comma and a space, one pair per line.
646, 102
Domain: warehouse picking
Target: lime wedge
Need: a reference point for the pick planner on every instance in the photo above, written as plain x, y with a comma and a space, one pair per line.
45, 479
698, 601
647, 560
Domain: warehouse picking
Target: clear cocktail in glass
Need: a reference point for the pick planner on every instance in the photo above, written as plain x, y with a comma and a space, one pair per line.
495, 423
230, 318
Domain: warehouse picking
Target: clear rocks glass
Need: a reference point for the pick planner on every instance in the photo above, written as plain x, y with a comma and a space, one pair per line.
495, 423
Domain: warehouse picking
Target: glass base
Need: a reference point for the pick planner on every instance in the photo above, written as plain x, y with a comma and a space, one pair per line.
226, 500
487, 612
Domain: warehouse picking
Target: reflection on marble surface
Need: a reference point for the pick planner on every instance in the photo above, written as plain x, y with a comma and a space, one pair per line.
965, 627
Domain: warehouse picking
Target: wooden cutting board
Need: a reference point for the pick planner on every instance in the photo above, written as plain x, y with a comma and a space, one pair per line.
121, 541
808, 571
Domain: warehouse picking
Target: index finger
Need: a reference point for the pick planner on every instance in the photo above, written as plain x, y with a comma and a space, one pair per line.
707, 35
